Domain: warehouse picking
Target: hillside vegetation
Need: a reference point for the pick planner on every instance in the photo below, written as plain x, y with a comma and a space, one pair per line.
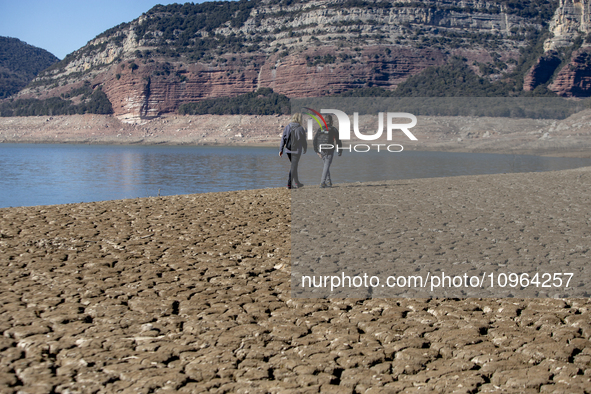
261, 102
90, 102
19, 64
250, 56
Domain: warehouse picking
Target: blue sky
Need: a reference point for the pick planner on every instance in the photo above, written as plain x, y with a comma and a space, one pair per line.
63, 26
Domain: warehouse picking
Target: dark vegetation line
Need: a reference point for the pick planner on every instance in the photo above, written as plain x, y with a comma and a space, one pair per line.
261, 102
91, 102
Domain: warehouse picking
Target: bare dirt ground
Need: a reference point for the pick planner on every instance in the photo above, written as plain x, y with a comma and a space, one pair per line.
568, 137
192, 294
482, 232
169, 129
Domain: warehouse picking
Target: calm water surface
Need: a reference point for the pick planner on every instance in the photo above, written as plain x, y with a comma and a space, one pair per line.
40, 174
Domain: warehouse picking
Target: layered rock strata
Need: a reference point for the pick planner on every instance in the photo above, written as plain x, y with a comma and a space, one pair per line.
301, 50
571, 19
570, 26
542, 71
574, 79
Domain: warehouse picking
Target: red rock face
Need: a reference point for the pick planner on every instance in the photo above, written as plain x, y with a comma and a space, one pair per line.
156, 88
574, 80
296, 77
542, 71
160, 87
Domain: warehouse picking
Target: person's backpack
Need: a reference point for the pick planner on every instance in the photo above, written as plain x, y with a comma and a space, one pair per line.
288, 143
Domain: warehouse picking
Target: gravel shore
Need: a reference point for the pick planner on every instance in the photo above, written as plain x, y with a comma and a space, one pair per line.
192, 294
570, 137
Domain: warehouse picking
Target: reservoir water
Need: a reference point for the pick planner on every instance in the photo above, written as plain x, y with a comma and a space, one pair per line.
44, 174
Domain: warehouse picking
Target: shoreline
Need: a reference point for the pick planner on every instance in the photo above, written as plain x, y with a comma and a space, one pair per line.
565, 152
569, 137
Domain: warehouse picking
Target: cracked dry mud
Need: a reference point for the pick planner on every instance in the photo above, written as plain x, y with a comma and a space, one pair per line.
520, 235
192, 294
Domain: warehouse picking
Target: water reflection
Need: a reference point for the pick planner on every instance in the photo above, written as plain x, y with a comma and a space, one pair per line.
57, 174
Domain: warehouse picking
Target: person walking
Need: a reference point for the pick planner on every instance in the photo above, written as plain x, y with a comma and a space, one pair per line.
325, 142
294, 143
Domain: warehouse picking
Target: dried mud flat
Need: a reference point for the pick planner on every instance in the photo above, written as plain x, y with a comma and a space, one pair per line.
192, 294
489, 236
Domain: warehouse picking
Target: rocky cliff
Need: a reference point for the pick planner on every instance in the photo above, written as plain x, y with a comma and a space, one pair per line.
565, 65
570, 20
183, 53
541, 72
574, 79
